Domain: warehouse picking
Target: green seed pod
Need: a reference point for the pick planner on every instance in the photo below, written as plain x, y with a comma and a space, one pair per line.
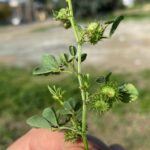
101, 106
106, 95
67, 24
63, 16
128, 93
99, 103
93, 26
94, 32
108, 91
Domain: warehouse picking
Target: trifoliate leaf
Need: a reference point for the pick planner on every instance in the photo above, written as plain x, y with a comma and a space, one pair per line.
50, 115
49, 65
38, 122
115, 25
73, 50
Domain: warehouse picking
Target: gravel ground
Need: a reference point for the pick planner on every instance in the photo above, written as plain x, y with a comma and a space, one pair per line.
129, 49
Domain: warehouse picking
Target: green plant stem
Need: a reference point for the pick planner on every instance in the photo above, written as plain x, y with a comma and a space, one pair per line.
83, 92
72, 20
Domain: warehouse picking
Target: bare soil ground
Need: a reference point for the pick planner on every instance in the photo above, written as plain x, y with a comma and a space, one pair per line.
129, 49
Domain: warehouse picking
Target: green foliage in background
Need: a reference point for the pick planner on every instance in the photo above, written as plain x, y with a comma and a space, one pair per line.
88, 8
5, 11
21, 96
142, 1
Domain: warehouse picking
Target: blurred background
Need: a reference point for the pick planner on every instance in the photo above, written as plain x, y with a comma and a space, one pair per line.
28, 30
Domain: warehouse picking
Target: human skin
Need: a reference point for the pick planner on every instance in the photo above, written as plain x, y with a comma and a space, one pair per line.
45, 139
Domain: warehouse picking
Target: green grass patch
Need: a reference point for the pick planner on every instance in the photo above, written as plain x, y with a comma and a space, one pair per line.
23, 95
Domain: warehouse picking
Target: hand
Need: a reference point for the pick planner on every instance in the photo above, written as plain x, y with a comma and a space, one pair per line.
44, 139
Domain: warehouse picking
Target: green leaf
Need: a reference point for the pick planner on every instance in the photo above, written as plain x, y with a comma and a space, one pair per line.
49, 66
79, 114
83, 57
104, 79
63, 116
38, 122
50, 115
107, 78
109, 22
70, 60
100, 80
85, 79
72, 105
115, 24
73, 50
64, 111
68, 106
64, 59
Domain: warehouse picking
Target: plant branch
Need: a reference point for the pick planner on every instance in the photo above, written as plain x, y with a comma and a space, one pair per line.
83, 92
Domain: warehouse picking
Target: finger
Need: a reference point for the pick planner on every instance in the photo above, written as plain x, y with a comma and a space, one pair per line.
45, 139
